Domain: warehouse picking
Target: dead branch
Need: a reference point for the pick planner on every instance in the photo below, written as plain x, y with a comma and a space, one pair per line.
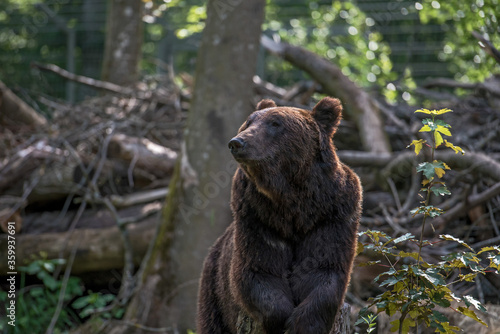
462, 207
450, 83
111, 87
400, 163
362, 107
25, 161
13, 110
138, 197
487, 46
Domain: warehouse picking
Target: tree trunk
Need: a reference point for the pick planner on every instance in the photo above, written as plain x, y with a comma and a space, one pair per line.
123, 49
196, 213
342, 324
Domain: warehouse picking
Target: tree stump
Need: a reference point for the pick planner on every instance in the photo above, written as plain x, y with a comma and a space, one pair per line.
342, 325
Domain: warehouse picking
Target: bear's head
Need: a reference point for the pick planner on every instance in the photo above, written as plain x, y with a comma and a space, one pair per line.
286, 141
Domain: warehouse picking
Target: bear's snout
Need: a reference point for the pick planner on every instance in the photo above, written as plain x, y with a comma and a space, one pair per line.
236, 145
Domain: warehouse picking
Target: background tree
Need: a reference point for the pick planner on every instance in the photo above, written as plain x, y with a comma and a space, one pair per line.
196, 213
123, 48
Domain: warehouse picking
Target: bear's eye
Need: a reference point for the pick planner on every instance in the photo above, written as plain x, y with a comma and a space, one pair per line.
275, 123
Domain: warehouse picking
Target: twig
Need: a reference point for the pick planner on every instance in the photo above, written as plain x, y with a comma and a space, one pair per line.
146, 328
62, 293
470, 202
395, 226
127, 286
484, 243
492, 219
394, 191
84, 80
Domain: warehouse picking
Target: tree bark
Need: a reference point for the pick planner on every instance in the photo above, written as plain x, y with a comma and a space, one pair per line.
342, 324
123, 49
356, 101
196, 213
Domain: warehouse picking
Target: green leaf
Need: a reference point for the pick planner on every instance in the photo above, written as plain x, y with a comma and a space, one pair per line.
443, 130
430, 211
391, 281
471, 314
405, 327
469, 300
433, 277
425, 111
425, 128
434, 112
440, 191
368, 263
439, 299
438, 316
452, 238
438, 138
411, 254
488, 249
494, 261
457, 149
407, 236
80, 302
427, 169
418, 145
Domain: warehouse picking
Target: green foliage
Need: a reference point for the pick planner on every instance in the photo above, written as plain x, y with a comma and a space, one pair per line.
95, 302
460, 49
340, 32
417, 289
36, 304
367, 318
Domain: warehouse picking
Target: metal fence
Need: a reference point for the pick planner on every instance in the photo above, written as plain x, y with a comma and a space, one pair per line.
71, 34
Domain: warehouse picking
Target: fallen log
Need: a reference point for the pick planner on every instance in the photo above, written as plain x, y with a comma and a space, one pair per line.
15, 111
362, 107
143, 154
401, 163
27, 160
98, 249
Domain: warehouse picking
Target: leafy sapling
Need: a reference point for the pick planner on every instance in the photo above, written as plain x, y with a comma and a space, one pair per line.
419, 289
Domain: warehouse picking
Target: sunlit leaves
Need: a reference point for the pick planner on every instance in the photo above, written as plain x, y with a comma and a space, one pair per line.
471, 314
469, 300
452, 238
434, 112
418, 145
428, 210
415, 287
457, 149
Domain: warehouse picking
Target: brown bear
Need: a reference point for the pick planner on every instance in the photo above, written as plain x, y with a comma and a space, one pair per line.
287, 257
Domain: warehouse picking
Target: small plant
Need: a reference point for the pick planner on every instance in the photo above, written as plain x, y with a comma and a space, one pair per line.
369, 320
417, 289
95, 302
36, 303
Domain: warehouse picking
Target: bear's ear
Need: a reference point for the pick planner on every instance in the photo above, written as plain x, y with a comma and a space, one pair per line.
266, 103
328, 113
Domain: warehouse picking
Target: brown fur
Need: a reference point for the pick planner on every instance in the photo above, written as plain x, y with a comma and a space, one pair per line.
287, 257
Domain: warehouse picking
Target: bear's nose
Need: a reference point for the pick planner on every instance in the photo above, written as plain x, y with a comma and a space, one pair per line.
236, 144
